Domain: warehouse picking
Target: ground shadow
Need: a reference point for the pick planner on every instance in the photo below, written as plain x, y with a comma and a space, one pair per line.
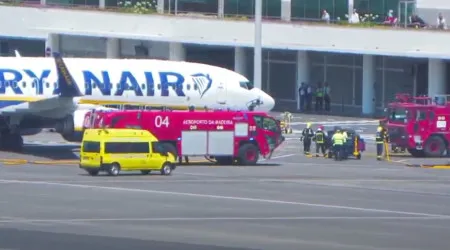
32, 240
65, 152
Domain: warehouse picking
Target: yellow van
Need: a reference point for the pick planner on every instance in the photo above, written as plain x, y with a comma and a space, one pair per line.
115, 150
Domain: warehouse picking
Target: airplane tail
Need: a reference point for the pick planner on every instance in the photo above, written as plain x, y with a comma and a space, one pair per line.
66, 84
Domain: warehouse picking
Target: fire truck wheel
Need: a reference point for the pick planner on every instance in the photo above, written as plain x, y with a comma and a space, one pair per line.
434, 147
114, 169
145, 172
92, 172
172, 149
248, 154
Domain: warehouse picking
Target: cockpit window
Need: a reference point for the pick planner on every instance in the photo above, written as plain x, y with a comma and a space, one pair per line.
246, 85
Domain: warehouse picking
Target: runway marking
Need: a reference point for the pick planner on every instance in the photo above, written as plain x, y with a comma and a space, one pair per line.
222, 197
3, 221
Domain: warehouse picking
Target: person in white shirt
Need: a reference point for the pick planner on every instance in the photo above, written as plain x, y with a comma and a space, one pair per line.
325, 16
441, 24
354, 18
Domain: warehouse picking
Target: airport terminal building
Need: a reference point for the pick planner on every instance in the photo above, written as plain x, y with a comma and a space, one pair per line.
364, 67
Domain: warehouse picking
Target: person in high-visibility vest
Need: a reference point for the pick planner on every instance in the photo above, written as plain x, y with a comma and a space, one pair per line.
338, 140
319, 138
380, 140
307, 135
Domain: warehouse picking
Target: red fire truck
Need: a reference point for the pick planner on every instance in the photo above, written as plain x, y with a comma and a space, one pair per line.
419, 124
226, 136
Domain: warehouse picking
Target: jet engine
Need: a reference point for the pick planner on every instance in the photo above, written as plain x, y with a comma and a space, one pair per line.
72, 127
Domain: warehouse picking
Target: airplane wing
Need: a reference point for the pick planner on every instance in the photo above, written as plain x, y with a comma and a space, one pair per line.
63, 102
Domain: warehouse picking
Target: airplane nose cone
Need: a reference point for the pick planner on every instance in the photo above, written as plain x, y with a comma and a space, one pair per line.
269, 103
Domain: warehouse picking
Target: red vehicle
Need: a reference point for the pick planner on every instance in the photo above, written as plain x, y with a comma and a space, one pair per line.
226, 136
420, 124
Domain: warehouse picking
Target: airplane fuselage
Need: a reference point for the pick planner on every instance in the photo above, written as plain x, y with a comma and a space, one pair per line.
118, 81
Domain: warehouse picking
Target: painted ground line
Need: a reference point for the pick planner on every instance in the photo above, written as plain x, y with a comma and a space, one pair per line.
175, 219
221, 197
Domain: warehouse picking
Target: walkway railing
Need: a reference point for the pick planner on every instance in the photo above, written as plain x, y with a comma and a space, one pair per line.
148, 7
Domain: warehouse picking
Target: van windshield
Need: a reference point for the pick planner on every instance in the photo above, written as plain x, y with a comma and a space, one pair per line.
91, 147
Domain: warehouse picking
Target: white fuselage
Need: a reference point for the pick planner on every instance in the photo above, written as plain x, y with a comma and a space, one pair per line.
129, 81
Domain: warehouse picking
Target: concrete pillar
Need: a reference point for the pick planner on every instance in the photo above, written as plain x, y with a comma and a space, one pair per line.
368, 85
102, 4
52, 44
302, 73
160, 7
240, 61
112, 48
286, 10
177, 52
437, 77
350, 8
221, 9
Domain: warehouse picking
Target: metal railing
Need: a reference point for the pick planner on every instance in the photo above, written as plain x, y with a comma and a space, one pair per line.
233, 9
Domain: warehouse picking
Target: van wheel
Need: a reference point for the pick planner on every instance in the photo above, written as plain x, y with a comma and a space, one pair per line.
92, 172
145, 172
248, 154
114, 170
166, 169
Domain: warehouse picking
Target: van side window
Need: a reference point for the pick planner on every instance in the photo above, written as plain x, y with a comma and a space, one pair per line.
158, 147
91, 147
126, 147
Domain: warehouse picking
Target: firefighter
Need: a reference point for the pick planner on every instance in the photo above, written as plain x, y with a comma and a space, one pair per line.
307, 135
380, 140
319, 138
338, 141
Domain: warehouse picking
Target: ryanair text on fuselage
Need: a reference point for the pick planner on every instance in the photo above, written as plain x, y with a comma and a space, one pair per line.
169, 81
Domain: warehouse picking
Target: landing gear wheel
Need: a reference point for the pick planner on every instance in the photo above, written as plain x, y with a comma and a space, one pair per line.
166, 169
145, 172
114, 169
358, 156
248, 154
434, 147
11, 142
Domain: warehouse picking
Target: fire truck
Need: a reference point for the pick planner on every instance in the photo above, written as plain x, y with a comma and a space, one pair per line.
225, 136
420, 124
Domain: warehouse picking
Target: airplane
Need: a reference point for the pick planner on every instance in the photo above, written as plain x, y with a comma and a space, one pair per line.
41, 92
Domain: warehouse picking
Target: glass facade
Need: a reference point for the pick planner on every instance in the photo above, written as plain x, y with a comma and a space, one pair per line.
311, 9
300, 9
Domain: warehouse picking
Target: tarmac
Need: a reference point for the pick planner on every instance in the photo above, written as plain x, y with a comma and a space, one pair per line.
288, 202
